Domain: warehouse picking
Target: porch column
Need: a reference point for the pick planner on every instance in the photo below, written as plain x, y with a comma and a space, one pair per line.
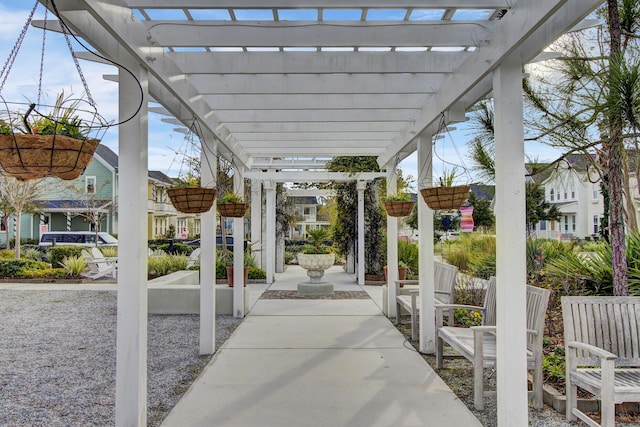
361, 186
392, 244
208, 174
238, 250
425, 249
270, 190
131, 335
257, 245
511, 246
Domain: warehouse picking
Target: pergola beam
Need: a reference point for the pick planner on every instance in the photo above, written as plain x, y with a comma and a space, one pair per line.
316, 62
172, 33
281, 4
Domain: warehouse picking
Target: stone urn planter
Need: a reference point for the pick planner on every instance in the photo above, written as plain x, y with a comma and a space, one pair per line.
315, 264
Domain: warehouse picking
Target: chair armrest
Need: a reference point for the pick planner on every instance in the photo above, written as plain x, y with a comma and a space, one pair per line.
413, 291
440, 306
597, 351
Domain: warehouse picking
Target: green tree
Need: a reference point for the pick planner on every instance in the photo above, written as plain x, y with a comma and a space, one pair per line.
537, 208
482, 212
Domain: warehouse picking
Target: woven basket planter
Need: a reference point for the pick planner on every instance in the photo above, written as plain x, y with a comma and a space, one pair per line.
445, 198
399, 208
232, 209
26, 156
192, 199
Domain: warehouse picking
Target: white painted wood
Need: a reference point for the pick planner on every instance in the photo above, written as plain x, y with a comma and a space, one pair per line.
270, 190
238, 251
511, 245
131, 335
309, 34
257, 4
312, 176
257, 245
208, 253
315, 62
478, 344
361, 187
392, 244
602, 333
426, 245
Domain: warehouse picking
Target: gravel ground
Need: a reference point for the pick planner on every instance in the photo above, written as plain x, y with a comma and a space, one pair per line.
58, 358
458, 374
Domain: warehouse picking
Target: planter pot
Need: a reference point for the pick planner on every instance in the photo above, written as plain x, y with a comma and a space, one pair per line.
399, 208
192, 199
445, 198
233, 210
315, 264
402, 274
26, 156
230, 276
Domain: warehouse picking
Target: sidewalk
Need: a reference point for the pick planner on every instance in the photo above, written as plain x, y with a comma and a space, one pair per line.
325, 363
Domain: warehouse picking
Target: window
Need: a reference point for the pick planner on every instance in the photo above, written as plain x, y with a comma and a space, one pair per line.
90, 184
566, 224
573, 223
543, 225
565, 192
596, 224
551, 194
160, 226
595, 191
573, 191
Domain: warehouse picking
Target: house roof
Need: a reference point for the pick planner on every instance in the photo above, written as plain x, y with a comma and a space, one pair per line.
303, 200
70, 205
107, 155
160, 176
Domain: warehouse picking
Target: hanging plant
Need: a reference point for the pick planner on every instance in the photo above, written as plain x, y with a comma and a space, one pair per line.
447, 196
188, 197
34, 144
398, 205
232, 205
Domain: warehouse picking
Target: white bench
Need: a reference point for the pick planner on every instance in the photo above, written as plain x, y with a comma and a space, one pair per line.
478, 345
407, 296
602, 339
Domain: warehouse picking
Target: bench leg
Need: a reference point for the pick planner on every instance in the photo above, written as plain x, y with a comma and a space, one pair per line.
478, 384
439, 352
572, 397
414, 322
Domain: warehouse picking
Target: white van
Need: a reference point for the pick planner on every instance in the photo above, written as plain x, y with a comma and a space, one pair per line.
76, 238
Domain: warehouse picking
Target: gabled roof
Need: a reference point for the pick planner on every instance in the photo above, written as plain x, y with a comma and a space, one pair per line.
70, 205
160, 176
107, 155
303, 200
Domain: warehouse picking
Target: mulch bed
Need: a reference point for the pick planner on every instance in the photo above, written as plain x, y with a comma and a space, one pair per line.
335, 295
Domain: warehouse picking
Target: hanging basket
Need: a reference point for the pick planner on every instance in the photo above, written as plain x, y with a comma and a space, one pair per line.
445, 198
192, 199
232, 209
399, 208
27, 156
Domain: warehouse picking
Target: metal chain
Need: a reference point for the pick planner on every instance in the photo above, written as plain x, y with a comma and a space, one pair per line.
75, 61
16, 47
44, 42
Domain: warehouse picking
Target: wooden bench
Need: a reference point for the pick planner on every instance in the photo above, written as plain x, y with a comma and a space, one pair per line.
407, 296
602, 348
478, 345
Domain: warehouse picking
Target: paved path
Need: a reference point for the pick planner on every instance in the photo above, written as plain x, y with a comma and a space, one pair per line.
324, 363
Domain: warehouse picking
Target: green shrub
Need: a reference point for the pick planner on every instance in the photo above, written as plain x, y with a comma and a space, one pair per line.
15, 267
109, 251
178, 248
7, 254
48, 273
221, 270
408, 254
256, 273
167, 264
57, 254
74, 265
288, 257
33, 254
553, 365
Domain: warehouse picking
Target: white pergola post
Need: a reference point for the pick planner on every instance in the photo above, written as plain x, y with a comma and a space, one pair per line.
208, 253
392, 245
511, 246
257, 245
131, 336
361, 186
425, 262
238, 250
270, 190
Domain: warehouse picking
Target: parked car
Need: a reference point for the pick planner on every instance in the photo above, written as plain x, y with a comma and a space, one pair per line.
196, 243
76, 238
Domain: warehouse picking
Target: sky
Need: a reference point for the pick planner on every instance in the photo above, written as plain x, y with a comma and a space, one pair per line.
59, 72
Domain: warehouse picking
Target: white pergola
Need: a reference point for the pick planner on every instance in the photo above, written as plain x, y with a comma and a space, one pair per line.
280, 86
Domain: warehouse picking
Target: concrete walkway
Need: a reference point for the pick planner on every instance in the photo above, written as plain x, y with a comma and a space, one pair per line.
325, 363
